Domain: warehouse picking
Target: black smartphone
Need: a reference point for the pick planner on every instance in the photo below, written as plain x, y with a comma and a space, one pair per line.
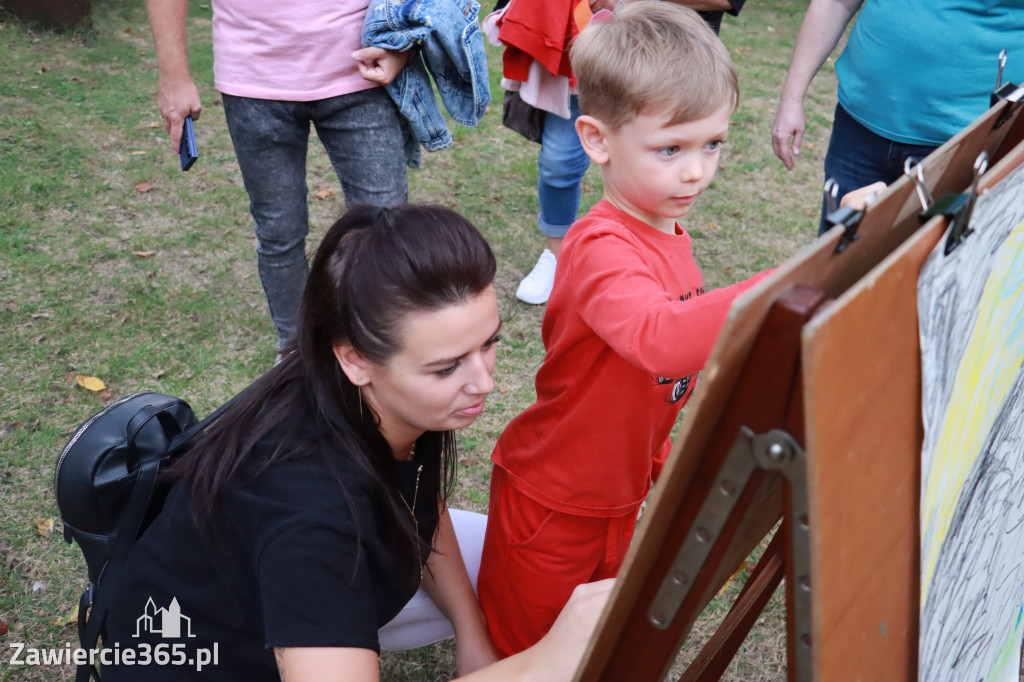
188, 150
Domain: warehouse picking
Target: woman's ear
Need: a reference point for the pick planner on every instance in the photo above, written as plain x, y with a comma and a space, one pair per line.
353, 364
593, 133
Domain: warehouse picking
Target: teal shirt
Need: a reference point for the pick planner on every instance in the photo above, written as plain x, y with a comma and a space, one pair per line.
919, 71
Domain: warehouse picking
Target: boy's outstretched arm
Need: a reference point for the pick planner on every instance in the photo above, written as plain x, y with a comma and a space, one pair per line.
625, 304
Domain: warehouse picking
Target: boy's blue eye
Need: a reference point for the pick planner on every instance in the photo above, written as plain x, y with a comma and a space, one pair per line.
493, 340
715, 145
669, 151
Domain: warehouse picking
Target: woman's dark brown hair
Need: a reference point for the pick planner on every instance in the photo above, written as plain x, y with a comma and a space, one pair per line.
374, 267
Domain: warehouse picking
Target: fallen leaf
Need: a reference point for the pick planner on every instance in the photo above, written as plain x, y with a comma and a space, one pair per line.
247, 275
138, 152
67, 619
44, 69
159, 373
206, 344
3, 627
732, 578
776, 195
812, 146
143, 254
713, 226
45, 526
323, 194
90, 383
128, 31
36, 316
154, 124
143, 187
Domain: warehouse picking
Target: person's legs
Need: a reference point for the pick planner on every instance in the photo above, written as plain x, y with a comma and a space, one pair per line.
857, 157
420, 622
533, 559
363, 139
561, 165
270, 140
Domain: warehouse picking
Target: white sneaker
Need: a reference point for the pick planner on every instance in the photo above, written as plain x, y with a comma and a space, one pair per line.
536, 287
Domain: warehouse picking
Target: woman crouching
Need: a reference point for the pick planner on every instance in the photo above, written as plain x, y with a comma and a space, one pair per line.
301, 523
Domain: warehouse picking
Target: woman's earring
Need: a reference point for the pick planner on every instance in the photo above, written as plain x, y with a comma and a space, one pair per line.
360, 391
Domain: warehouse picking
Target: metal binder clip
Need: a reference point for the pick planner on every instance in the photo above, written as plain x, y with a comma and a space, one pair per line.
912, 169
999, 72
846, 216
1005, 93
960, 228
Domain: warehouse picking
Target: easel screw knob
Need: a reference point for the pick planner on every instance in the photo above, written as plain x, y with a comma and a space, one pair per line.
776, 452
702, 534
679, 578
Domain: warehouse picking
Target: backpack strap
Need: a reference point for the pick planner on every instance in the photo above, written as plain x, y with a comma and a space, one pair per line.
89, 628
95, 603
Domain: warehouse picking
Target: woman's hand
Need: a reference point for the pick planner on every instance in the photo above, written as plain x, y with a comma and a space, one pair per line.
558, 654
379, 65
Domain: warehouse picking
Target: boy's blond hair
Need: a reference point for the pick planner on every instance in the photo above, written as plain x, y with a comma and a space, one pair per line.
652, 56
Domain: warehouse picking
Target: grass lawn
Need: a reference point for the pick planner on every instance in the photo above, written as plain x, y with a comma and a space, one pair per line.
116, 265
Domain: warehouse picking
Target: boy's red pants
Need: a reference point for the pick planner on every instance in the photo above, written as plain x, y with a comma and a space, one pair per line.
534, 557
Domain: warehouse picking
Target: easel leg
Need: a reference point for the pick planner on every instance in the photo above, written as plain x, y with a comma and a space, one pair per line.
710, 664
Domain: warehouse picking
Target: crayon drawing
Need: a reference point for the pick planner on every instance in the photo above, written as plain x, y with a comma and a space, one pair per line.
971, 311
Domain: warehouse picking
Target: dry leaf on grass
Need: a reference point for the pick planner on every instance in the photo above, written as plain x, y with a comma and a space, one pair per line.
144, 254
45, 526
143, 187
67, 619
323, 194
93, 384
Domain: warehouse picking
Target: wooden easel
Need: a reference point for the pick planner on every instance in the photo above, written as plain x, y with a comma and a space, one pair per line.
780, 429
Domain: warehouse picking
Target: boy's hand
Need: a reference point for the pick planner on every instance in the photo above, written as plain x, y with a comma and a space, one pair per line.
858, 199
379, 65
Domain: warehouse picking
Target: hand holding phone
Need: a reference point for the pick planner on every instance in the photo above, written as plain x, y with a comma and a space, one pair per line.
188, 150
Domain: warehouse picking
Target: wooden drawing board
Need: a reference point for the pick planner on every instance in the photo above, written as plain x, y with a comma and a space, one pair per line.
625, 639
862, 374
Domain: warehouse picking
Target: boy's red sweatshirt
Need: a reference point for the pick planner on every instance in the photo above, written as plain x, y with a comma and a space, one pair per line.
627, 328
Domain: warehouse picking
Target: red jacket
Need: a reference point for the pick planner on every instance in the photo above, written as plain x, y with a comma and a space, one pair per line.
541, 30
627, 328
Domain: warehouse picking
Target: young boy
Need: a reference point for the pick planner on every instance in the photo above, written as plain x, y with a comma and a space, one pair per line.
628, 325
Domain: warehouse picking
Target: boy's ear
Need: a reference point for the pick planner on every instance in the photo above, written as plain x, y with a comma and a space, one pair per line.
593, 136
354, 365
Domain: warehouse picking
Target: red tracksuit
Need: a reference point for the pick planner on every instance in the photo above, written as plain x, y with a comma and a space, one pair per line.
626, 330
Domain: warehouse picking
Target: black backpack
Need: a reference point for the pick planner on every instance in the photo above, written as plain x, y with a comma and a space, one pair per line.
107, 490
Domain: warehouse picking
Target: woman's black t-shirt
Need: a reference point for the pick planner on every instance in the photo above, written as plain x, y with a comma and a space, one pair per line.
296, 564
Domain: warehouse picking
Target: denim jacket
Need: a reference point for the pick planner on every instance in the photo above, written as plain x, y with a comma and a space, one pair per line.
447, 34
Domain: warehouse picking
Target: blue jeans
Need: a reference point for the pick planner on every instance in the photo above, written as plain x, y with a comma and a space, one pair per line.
560, 165
857, 157
361, 134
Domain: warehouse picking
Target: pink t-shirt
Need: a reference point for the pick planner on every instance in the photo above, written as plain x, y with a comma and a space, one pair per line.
285, 49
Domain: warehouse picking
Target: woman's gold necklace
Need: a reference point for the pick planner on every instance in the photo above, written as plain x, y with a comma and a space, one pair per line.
412, 507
